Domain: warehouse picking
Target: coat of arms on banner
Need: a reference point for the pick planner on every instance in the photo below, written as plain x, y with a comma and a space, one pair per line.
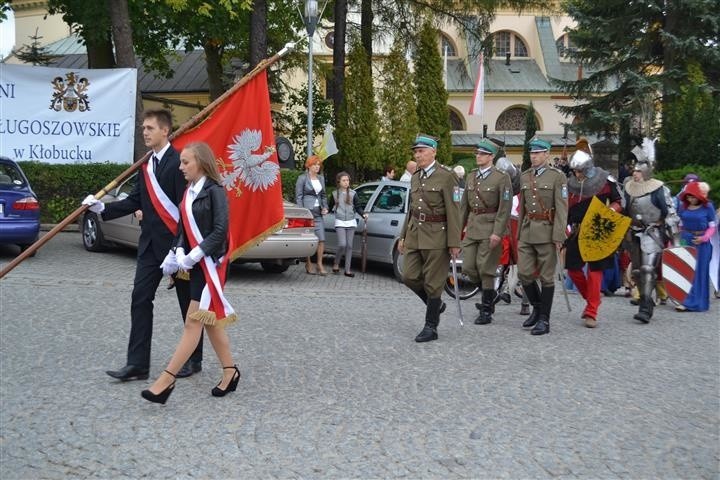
70, 94
253, 170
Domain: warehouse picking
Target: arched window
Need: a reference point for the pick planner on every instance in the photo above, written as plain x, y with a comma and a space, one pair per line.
456, 120
565, 45
447, 44
513, 119
509, 42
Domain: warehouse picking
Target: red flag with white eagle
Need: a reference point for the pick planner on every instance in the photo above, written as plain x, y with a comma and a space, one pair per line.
240, 133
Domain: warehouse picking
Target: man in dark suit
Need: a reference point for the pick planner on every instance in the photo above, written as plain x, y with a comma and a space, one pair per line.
157, 193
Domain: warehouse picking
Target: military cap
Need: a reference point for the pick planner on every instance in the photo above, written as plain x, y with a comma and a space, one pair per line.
424, 141
537, 145
486, 146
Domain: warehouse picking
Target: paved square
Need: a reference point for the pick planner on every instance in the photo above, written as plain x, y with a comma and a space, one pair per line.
333, 385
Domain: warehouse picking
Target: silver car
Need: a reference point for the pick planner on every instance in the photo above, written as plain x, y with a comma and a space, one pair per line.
275, 253
386, 204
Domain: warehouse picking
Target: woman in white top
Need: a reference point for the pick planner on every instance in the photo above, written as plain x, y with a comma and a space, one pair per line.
345, 205
310, 193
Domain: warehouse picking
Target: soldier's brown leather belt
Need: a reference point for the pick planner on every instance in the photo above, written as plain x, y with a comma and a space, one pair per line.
480, 211
429, 218
541, 216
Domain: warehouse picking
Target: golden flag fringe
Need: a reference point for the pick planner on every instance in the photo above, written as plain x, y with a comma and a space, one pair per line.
601, 231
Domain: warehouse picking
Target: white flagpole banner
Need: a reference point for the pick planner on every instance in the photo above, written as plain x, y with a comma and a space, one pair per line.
478, 100
67, 115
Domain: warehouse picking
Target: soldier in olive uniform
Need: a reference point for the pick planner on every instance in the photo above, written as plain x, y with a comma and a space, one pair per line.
543, 217
431, 232
485, 208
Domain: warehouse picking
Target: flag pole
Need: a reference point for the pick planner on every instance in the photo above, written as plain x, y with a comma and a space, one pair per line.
191, 123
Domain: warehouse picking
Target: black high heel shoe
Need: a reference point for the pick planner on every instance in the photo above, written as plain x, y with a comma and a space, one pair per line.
232, 386
162, 396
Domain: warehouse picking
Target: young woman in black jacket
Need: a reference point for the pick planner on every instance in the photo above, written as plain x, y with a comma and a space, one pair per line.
202, 232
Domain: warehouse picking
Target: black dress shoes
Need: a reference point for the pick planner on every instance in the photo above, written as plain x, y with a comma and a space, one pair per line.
427, 334
129, 372
188, 369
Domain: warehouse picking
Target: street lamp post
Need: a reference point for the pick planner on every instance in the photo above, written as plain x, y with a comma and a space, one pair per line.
311, 20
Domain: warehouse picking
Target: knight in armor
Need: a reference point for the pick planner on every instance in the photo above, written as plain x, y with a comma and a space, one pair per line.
649, 205
588, 181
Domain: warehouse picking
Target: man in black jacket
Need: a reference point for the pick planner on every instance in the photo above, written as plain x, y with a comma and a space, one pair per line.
157, 193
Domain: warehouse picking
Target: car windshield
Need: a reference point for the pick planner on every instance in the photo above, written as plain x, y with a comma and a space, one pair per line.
390, 200
10, 175
128, 186
364, 194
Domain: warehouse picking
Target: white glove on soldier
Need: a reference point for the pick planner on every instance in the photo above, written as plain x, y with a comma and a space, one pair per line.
170, 264
95, 205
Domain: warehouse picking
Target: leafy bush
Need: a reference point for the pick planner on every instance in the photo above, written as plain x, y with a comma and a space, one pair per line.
61, 187
709, 175
288, 178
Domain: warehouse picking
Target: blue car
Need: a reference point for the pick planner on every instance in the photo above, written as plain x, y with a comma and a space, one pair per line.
19, 207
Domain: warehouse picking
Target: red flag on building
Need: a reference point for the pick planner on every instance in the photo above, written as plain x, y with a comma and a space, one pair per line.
240, 133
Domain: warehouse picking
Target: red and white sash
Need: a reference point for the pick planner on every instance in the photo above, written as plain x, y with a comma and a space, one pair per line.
165, 208
214, 307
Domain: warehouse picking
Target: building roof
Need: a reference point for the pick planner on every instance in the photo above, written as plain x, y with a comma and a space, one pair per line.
66, 46
515, 140
522, 75
189, 67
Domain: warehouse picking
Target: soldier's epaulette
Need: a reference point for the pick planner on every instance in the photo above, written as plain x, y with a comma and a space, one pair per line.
526, 171
550, 167
446, 167
474, 170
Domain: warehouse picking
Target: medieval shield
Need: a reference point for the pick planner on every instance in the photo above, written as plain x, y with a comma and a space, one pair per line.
678, 271
601, 231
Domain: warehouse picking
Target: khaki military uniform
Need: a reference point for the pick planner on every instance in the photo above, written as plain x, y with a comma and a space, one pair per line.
431, 227
542, 222
485, 209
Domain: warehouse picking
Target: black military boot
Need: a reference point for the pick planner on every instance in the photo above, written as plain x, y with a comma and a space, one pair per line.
542, 326
485, 317
432, 320
646, 309
423, 297
533, 294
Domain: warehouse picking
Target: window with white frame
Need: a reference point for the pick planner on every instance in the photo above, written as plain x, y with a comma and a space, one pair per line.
509, 42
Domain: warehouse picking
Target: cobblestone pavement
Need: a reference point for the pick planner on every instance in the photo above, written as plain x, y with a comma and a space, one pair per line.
333, 385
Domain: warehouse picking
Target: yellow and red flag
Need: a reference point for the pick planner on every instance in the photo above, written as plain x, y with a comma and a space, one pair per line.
240, 133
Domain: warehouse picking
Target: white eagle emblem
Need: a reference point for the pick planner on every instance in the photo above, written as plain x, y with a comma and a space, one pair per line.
253, 170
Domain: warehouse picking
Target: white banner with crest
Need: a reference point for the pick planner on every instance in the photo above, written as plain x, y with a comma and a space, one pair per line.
67, 115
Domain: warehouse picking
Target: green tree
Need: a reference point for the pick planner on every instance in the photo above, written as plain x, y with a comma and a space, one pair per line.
399, 121
293, 118
637, 54
34, 53
91, 22
691, 126
530, 130
357, 130
430, 94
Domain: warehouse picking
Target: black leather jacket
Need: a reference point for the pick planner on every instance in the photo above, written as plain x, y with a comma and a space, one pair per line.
210, 209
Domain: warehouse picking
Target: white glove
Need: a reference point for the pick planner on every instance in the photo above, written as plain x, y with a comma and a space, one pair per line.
170, 264
186, 263
196, 254
95, 205
179, 255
